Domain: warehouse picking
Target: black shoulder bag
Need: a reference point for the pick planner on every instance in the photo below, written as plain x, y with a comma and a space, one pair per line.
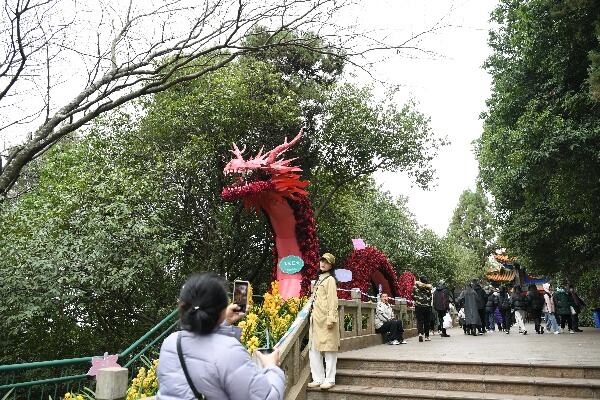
198, 395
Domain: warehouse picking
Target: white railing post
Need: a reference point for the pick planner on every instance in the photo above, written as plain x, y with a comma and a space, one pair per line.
111, 383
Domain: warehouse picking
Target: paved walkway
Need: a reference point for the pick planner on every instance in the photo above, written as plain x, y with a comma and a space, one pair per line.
496, 347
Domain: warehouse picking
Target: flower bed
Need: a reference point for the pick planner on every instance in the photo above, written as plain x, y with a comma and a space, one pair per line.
274, 314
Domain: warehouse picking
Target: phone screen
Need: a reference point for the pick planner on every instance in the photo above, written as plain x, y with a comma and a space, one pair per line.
240, 294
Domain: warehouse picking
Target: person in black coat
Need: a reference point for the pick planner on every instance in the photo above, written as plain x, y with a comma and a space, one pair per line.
504, 305
490, 309
520, 303
482, 295
579, 304
536, 305
441, 304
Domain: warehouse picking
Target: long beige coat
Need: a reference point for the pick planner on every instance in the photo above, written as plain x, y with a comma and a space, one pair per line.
325, 309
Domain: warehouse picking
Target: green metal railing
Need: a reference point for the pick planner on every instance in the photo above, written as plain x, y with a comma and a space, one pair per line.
44, 379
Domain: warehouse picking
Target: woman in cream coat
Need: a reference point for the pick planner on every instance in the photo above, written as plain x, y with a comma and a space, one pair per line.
324, 326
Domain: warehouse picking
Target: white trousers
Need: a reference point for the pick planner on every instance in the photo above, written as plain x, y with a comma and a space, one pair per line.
319, 374
520, 317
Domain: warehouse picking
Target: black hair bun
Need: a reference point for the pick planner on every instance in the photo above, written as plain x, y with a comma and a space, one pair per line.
203, 298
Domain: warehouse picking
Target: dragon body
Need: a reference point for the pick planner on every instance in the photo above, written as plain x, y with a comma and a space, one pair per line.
271, 184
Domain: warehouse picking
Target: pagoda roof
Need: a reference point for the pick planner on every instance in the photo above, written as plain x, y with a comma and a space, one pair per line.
502, 275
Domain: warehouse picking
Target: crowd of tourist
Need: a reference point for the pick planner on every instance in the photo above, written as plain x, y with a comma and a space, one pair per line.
499, 308
484, 309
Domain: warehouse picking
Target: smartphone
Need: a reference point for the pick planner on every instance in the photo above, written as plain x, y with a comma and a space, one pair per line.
240, 294
264, 350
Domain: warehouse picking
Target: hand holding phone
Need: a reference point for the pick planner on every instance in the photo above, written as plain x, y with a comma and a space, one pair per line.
233, 314
240, 294
266, 360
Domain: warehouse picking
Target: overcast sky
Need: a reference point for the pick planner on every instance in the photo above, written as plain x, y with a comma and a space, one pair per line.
451, 89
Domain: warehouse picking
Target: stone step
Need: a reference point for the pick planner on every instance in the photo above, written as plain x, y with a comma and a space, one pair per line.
475, 368
346, 392
502, 384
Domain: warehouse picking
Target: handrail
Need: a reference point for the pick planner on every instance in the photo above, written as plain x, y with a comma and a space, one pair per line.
43, 382
41, 364
173, 325
150, 332
79, 360
85, 360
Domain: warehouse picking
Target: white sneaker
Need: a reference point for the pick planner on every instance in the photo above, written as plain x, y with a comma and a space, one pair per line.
570, 331
556, 332
327, 385
403, 342
394, 342
314, 384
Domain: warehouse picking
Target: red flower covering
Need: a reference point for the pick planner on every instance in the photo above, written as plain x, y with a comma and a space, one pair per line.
246, 191
306, 236
363, 263
406, 282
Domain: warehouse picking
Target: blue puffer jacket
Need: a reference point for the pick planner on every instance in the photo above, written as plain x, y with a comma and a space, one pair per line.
220, 368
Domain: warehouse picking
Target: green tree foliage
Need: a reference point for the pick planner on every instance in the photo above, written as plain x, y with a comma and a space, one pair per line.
361, 136
595, 68
80, 254
538, 154
472, 224
193, 128
442, 258
384, 222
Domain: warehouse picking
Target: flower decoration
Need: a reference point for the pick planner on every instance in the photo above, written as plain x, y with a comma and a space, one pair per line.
246, 191
105, 361
363, 263
73, 396
145, 384
406, 282
306, 235
274, 316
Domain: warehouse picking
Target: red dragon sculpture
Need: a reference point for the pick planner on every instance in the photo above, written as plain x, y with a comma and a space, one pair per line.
273, 185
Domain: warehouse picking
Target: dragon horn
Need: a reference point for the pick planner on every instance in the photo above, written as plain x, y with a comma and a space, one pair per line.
260, 153
236, 151
273, 154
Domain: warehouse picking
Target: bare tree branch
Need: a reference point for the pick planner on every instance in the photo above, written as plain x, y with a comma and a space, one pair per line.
136, 50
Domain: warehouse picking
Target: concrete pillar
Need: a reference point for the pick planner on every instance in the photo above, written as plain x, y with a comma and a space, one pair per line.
355, 294
111, 383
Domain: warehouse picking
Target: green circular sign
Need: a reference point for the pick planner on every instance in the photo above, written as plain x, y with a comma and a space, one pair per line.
291, 264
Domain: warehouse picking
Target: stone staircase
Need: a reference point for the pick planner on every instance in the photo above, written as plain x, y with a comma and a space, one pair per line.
402, 380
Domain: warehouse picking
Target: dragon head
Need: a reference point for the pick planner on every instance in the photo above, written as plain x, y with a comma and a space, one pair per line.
264, 174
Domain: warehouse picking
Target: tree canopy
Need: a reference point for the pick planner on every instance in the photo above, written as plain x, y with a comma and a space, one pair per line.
538, 154
63, 63
472, 224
